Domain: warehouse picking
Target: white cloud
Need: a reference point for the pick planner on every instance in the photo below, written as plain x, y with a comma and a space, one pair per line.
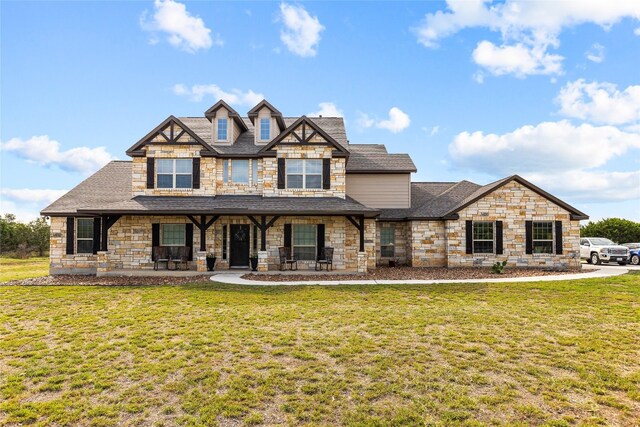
44, 151
596, 53
327, 109
234, 96
600, 102
183, 30
637, 31
26, 203
527, 28
301, 32
557, 155
518, 59
397, 122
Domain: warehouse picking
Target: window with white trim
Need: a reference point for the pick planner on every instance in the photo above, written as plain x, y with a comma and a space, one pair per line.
265, 129
225, 171
483, 237
254, 173
304, 241
84, 236
542, 237
222, 129
174, 173
240, 171
387, 242
304, 173
173, 235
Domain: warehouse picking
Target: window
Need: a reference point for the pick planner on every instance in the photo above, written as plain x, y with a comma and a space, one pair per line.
543, 237
304, 173
224, 242
174, 173
482, 237
222, 129
387, 241
265, 129
304, 241
173, 235
254, 177
225, 170
84, 236
240, 171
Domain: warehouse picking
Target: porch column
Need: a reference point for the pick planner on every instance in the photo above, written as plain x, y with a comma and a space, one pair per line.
359, 225
203, 225
107, 223
263, 226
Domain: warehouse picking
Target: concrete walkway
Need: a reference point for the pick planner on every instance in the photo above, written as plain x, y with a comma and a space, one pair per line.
589, 272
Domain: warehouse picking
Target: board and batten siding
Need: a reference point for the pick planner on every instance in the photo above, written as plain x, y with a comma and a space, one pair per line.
380, 190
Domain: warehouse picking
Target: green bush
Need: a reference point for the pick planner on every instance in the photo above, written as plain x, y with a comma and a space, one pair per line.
498, 267
617, 229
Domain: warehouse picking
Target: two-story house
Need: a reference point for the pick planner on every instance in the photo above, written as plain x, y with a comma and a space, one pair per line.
233, 186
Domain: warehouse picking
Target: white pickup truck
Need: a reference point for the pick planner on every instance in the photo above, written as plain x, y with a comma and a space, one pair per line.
598, 249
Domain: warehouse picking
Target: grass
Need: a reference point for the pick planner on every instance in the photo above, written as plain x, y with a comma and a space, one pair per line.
15, 268
554, 354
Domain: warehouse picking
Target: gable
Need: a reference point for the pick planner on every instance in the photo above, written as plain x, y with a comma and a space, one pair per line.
171, 131
303, 132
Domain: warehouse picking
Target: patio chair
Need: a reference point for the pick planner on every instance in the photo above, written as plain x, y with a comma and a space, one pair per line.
325, 258
181, 257
287, 259
160, 254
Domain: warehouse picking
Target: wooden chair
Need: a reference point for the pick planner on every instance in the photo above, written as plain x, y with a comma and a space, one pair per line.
181, 257
325, 258
160, 254
287, 259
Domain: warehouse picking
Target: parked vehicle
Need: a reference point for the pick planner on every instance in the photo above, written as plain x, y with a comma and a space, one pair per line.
634, 253
598, 249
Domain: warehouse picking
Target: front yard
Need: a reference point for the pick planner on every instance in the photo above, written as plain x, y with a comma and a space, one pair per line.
554, 353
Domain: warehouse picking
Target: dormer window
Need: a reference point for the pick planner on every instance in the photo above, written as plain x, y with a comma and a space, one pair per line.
222, 129
265, 129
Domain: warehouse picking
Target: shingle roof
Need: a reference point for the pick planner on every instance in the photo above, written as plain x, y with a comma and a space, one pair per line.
110, 184
374, 162
109, 191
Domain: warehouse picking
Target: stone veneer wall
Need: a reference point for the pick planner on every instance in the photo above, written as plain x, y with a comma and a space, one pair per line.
427, 243
59, 261
514, 204
270, 171
402, 243
159, 151
252, 188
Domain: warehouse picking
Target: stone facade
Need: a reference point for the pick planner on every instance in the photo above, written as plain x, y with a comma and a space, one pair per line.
514, 204
427, 243
59, 261
402, 245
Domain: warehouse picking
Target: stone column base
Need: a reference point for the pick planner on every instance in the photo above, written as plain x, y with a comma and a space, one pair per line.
201, 261
362, 262
263, 264
102, 265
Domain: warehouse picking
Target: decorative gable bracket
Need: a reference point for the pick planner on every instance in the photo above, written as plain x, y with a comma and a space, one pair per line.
306, 133
170, 132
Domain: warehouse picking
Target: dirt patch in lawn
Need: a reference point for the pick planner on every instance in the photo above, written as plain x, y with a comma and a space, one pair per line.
63, 280
413, 273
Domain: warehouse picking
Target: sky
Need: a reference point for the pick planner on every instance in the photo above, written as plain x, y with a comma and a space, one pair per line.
474, 90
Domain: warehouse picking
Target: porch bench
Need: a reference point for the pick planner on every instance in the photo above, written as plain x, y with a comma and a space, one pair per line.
179, 255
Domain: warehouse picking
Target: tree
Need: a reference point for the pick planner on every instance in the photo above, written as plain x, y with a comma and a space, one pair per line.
39, 236
617, 229
23, 239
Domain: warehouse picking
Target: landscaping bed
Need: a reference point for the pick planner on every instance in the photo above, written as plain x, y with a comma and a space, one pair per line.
413, 273
63, 280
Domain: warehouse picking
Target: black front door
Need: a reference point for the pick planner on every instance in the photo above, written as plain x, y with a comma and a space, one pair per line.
239, 256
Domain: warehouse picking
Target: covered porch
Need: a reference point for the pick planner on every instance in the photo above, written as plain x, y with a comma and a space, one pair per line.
234, 229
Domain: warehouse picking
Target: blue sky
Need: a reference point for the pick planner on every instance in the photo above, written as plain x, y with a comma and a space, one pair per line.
472, 90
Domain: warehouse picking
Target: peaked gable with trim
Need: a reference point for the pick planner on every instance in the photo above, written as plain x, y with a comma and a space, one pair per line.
305, 132
171, 131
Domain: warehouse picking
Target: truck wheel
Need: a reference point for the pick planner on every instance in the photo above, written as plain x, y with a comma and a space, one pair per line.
635, 260
595, 259
588, 260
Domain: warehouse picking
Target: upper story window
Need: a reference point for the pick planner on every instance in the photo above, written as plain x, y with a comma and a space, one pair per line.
265, 129
222, 129
304, 173
482, 237
175, 173
542, 237
240, 171
84, 236
254, 173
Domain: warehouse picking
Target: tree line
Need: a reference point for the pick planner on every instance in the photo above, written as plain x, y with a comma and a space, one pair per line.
617, 229
23, 240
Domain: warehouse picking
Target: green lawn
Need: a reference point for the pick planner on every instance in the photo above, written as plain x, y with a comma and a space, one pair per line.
14, 268
553, 353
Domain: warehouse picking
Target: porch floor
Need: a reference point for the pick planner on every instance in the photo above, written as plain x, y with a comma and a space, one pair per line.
235, 271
